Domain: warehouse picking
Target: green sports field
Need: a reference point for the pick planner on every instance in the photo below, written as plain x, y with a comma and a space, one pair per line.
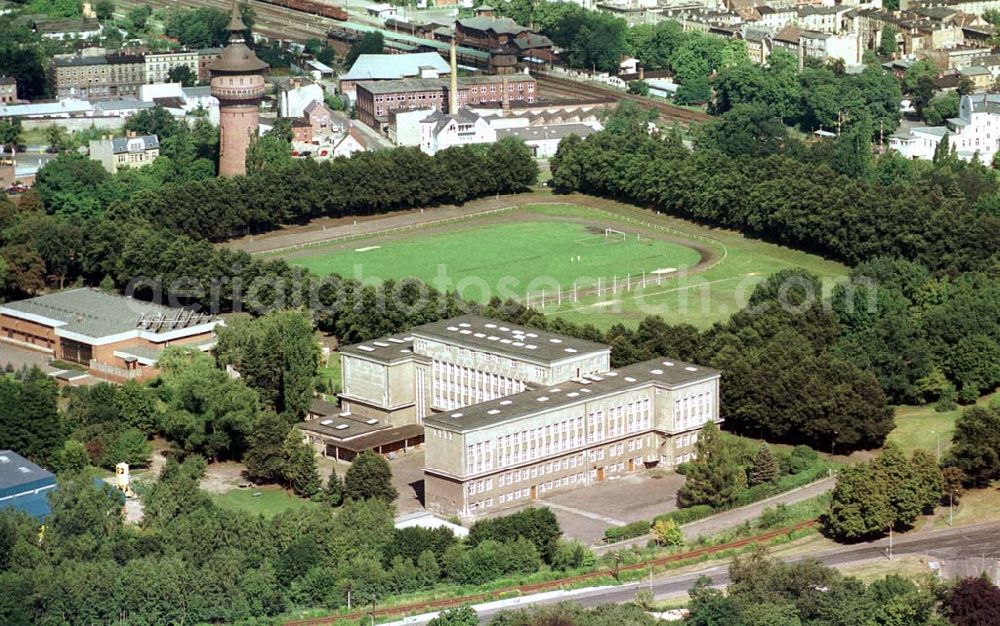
505, 255
694, 274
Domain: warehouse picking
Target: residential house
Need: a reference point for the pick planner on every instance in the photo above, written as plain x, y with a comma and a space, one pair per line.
439, 131
8, 90
351, 143
302, 130
115, 153
294, 99
981, 77
975, 132
320, 119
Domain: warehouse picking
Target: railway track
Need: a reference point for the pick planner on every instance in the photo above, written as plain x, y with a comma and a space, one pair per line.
271, 20
567, 88
433, 605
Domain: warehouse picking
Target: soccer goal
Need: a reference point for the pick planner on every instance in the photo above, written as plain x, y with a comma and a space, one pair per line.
612, 234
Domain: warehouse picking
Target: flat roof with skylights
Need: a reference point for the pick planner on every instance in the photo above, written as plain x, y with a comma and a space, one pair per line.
520, 342
384, 350
661, 372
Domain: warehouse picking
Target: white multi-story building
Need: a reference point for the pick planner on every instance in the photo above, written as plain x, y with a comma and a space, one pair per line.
976, 131
511, 413
158, 65
440, 130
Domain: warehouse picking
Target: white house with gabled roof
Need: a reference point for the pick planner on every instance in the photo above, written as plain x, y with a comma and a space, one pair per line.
976, 131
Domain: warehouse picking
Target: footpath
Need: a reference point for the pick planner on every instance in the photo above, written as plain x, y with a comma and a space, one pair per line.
727, 520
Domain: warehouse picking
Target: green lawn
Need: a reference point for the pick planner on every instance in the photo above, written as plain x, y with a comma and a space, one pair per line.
271, 501
485, 258
924, 428
547, 243
706, 297
331, 370
921, 427
975, 506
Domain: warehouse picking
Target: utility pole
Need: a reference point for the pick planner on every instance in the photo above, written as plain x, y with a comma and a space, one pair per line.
890, 542
373, 610
951, 507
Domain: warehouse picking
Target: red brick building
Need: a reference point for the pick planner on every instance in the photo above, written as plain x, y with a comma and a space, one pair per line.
376, 99
111, 336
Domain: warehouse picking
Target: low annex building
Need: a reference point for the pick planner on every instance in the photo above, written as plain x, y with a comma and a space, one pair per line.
113, 337
511, 413
24, 486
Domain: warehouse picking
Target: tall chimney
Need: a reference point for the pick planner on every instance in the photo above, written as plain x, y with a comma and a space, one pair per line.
453, 95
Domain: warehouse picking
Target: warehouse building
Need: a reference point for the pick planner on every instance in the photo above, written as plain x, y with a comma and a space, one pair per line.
113, 337
511, 413
377, 99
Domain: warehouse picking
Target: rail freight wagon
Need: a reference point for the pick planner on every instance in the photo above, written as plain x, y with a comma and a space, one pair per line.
313, 7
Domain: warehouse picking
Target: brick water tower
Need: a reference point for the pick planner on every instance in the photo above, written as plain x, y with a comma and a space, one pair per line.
238, 83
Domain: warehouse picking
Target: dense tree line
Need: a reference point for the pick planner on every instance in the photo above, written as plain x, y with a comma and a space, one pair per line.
907, 210
571, 614
763, 591
593, 40
207, 207
276, 354
205, 27
816, 97
975, 450
921, 310
192, 562
29, 418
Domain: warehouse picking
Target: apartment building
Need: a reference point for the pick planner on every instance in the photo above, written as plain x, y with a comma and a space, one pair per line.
98, 77
158, 65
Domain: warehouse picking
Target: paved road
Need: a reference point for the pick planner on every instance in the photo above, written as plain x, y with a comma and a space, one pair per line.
973, 540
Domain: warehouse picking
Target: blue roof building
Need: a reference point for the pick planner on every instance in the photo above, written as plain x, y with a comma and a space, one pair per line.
24, 486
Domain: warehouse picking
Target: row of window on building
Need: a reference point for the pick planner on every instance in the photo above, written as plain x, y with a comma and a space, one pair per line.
619, 420
686, 440
693, 410
455, 386
534, 443
549, 485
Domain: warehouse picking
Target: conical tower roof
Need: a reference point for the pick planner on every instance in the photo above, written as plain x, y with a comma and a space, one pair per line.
237, 57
